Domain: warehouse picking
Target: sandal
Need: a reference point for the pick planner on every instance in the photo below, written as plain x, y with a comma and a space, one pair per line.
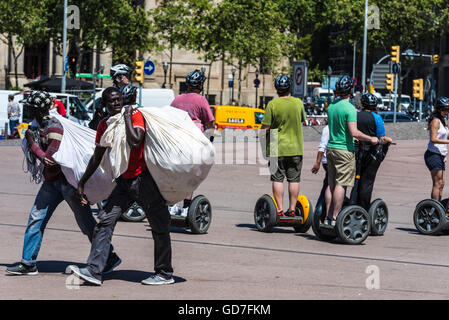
290, 213
281, 213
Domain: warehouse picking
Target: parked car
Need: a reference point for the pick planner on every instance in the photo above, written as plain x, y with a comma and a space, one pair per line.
388, 116
235, 117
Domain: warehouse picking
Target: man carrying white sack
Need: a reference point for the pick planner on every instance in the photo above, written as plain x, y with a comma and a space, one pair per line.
54, 189
135, 183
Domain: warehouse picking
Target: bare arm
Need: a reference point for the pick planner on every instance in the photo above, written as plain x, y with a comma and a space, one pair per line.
434, 126
134, 136
316, 166
357, 134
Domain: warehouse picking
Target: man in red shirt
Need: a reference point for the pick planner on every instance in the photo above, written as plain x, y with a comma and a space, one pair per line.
136, 183
59, 106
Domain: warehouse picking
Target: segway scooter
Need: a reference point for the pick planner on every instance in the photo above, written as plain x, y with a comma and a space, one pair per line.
431, 217
354, 224
266, 215
199, 216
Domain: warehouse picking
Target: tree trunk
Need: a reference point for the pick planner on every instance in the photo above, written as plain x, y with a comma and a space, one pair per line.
263, 90
240, 82
208, 80
222, 77
171, 66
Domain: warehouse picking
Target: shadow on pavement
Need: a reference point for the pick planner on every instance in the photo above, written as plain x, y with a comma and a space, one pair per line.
409, 230
50, 266
252, 227
134, 276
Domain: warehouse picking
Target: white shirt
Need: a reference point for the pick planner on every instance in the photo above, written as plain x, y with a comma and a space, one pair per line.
323, 143
442, 134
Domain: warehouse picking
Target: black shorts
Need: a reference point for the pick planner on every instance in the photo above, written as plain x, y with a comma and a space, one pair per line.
289, 167
434, 161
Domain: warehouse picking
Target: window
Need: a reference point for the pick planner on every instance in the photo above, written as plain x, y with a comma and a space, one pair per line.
36, 61
211, 98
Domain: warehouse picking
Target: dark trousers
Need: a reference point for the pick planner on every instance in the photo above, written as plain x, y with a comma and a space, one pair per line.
325, 184
145, 192
368, 169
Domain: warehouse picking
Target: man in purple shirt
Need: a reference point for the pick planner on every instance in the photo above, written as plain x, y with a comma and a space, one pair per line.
198, 108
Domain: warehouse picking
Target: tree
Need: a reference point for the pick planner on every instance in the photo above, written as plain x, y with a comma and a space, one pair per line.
23, 22
170, 22
115, 24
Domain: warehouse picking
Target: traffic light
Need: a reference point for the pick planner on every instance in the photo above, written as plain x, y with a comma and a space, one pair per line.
371, 88
418, 89
434, 59
138, 71
395, 53
389, 82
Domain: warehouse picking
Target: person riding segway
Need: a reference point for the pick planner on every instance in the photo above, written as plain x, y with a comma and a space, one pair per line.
196, 213
431, 216
283, 119
352, 223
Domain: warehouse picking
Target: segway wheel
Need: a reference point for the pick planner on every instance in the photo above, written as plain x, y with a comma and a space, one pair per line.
133, 214
429, 217
318, 217
353, 224
265, 214
378, 212
199, 216
308, 214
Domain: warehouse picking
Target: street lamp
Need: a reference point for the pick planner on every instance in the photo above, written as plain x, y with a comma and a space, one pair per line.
203, 70
329, 73
233, 77
165, 66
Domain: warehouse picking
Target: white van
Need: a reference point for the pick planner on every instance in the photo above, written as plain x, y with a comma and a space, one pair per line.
323, 93
4, 107
150, 98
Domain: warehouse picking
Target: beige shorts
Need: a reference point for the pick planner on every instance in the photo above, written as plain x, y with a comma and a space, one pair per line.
340, 167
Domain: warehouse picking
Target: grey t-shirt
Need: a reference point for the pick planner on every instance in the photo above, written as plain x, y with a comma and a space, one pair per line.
13, 111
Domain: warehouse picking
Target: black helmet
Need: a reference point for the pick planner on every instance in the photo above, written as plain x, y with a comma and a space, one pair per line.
120, 69
442, 103
282, 83
195, 78
369, 101
128, 93
344, 85
40, 100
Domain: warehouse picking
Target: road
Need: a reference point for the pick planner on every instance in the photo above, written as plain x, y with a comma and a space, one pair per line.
234, 260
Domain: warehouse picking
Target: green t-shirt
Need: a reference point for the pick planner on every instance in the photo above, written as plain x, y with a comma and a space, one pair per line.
338, 114
286, 116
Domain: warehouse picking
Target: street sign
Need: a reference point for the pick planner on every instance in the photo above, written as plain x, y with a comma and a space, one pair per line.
84, 75
299, 79
395, 68
66, 64
230, 84
90, 75
103, 76
256, 83
149, 68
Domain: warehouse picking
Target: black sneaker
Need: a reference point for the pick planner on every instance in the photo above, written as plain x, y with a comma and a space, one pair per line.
22, 270
113, 262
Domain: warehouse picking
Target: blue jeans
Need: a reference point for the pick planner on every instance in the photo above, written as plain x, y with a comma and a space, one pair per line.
12, 125
50, 195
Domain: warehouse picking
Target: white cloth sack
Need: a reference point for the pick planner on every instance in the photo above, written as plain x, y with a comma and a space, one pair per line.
177, 154
76, 149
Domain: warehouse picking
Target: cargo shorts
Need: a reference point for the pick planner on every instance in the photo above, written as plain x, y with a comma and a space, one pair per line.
289, 167
340, 167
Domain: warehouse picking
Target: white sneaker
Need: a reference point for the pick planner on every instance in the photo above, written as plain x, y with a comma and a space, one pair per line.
184, 211
173, 209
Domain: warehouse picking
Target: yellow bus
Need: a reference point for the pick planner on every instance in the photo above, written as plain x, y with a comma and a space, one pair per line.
237, 117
